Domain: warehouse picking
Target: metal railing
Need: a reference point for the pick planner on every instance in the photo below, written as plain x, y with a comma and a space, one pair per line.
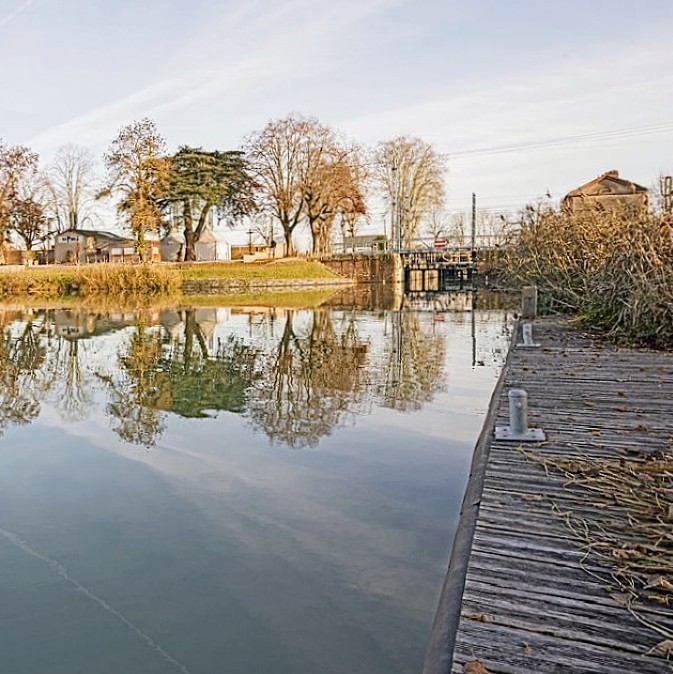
422, 245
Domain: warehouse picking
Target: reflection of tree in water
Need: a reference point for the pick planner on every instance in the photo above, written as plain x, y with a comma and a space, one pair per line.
21, 357
295, 389
65, 377
133, 394
197, 382
412, 371
179, 376
313, 379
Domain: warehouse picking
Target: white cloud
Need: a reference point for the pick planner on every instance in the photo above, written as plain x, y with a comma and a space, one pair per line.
275, 45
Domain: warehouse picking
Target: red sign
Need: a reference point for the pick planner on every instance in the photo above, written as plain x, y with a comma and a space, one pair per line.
440, 243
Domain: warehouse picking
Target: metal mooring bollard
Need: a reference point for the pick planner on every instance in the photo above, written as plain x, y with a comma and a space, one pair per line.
518, 420
527, 332
529, 302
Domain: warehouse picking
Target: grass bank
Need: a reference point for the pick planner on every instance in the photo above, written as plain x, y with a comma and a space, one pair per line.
148, 279
257, 271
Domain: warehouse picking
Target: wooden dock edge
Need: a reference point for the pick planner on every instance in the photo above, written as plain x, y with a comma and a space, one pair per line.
439, 656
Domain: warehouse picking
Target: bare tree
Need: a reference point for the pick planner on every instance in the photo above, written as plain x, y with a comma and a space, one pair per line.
493, 228
411, 175
353, 208
263, 227
138, 173
437, 224
330, 182
274, 155
28, 220
457, 229
16, 163
71, 184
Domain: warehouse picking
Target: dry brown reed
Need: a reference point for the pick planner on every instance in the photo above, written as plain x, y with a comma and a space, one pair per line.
91, 280
615, 269
622, 512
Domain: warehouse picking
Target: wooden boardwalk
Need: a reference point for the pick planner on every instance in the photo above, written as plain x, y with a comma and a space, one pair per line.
521, 596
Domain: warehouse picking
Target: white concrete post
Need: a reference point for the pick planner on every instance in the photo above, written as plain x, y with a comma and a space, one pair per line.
518, 411
518, 420
527, 333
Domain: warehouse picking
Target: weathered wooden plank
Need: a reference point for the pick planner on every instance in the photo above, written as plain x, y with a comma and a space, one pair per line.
548, 607
571, 618
517, 650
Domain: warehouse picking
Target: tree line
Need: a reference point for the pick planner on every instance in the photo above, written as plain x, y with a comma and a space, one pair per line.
295, 173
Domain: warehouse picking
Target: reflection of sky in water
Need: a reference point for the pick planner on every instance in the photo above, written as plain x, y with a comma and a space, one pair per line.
215, 550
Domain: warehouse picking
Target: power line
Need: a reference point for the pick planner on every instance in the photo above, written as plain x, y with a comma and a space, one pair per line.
664, 127
562, 141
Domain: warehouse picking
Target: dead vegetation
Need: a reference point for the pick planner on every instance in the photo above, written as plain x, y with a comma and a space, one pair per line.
622, 512
614, 269
91, 280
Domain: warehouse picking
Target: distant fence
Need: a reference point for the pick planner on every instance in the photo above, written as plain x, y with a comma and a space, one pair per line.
378, 245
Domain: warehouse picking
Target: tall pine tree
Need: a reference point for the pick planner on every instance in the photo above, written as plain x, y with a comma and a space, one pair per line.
201, 181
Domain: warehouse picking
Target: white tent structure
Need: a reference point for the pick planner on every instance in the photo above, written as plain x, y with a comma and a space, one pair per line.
211, 246
172, 247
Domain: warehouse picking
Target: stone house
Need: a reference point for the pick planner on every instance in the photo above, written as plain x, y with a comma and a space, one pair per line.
608, 192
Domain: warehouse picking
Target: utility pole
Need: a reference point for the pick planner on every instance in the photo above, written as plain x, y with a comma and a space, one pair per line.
667, 194
399, 218
474, 227
393, 208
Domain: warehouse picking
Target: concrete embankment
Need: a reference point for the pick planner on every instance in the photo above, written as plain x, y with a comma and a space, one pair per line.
563, 559
233, 286
365, 268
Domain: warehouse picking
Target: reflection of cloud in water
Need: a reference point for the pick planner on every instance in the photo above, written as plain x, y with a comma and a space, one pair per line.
349, 541
302, 511
343, 520
63, 573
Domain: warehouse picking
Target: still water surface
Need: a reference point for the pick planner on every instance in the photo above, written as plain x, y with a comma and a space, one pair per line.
234, 490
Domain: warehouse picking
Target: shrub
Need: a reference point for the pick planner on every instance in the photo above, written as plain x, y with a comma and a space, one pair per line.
615, 269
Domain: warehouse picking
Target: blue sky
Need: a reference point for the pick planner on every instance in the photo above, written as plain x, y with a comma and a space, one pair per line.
462, 75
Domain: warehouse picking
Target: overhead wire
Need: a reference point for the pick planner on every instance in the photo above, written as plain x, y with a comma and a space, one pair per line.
578, 139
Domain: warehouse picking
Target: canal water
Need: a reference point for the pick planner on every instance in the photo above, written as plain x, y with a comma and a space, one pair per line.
234, 489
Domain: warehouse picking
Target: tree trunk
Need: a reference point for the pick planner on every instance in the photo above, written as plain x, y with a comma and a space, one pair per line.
190, 240
314, 226
289, 246
190, 237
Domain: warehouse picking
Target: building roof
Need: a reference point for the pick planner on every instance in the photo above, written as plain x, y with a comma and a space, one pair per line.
606, 184
97, 233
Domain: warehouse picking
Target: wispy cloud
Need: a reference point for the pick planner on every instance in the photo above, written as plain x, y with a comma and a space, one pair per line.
271, 51
13, 14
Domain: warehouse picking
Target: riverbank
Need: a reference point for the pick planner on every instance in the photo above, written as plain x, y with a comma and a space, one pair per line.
563, 559
159, 279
